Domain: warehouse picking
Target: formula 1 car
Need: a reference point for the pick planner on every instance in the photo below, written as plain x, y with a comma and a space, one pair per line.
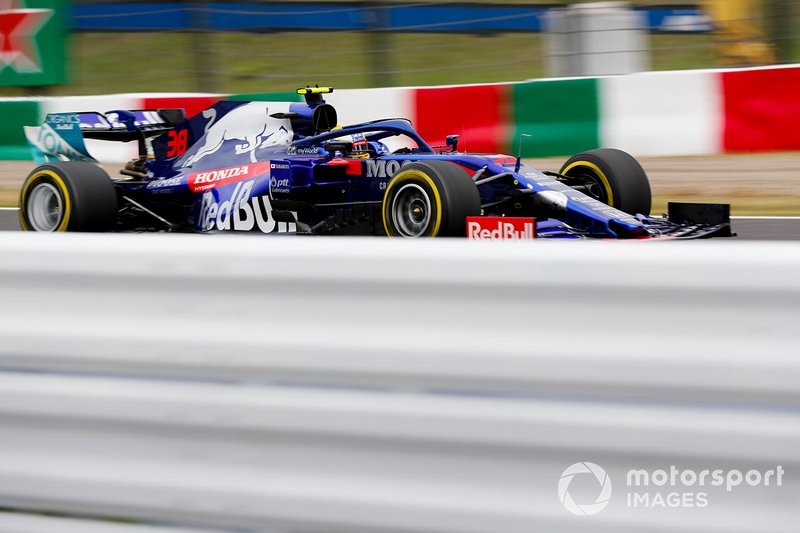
275, 167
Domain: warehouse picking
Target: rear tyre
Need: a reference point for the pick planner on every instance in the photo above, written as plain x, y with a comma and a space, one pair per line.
68, 196
612, 177
430, 199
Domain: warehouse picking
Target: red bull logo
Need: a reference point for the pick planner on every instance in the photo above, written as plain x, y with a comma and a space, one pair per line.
251, 124
501, 228
241, 212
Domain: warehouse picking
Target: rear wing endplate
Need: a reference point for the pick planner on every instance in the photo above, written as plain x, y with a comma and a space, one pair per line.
62, 135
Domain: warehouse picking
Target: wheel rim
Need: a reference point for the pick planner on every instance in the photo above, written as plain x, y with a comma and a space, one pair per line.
590, 185
45, 207
411, 210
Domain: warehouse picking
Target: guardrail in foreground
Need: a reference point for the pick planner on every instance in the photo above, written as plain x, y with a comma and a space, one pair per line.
303, 384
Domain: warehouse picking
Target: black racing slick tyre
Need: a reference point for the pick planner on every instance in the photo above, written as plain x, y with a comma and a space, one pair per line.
68, 196
430, 199
613, 177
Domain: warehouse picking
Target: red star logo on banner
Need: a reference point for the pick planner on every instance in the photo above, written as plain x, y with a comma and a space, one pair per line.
18, 29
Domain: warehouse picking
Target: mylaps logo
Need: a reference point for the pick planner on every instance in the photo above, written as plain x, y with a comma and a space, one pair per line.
18, 29
211, 179
501, 228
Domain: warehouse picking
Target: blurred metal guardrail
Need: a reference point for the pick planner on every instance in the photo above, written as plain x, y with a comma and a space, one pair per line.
22, 523
332, 385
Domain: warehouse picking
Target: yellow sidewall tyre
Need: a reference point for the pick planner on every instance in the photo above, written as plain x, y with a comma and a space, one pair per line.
56, 186
430, 199
68, 196
619, 180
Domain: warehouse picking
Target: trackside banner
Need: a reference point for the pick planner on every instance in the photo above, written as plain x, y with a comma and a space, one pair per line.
33, 41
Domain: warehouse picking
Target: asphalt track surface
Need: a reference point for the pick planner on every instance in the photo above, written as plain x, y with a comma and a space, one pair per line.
747, 228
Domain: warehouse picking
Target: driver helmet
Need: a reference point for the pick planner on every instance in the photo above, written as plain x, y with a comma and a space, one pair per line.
358, 142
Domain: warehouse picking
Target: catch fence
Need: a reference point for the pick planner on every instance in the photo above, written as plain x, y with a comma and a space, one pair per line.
267, 46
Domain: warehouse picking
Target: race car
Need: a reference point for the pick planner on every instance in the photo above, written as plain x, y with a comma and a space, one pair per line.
277, 167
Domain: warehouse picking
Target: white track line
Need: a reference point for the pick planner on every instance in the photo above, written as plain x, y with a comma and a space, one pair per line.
764, 218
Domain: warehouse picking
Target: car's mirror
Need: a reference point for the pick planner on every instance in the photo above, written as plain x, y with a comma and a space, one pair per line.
338, 146
452, 142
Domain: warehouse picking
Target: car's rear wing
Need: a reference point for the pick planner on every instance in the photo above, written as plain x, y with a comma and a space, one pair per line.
62, 135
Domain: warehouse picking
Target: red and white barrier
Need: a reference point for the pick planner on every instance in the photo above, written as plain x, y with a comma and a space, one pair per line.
671, 113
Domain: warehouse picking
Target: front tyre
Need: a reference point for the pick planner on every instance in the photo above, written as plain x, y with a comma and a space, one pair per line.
430, 199
68, 196
612, 177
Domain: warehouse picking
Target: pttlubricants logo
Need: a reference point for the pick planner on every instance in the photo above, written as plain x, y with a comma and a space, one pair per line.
584, 469
670, 487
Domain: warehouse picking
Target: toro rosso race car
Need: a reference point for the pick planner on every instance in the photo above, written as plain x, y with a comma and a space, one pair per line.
275, 167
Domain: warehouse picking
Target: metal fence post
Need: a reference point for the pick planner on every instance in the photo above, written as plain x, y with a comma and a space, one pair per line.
202, 46
378, 43
780, 22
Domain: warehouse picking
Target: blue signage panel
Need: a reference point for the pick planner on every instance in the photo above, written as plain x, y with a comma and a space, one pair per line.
235, 16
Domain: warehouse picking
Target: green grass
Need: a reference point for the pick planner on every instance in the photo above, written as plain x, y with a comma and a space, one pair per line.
243, 62
679, 52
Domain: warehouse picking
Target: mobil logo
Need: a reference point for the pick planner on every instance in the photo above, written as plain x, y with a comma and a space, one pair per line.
381, 168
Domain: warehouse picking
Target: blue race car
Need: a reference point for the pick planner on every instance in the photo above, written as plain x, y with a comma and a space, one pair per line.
275, 167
